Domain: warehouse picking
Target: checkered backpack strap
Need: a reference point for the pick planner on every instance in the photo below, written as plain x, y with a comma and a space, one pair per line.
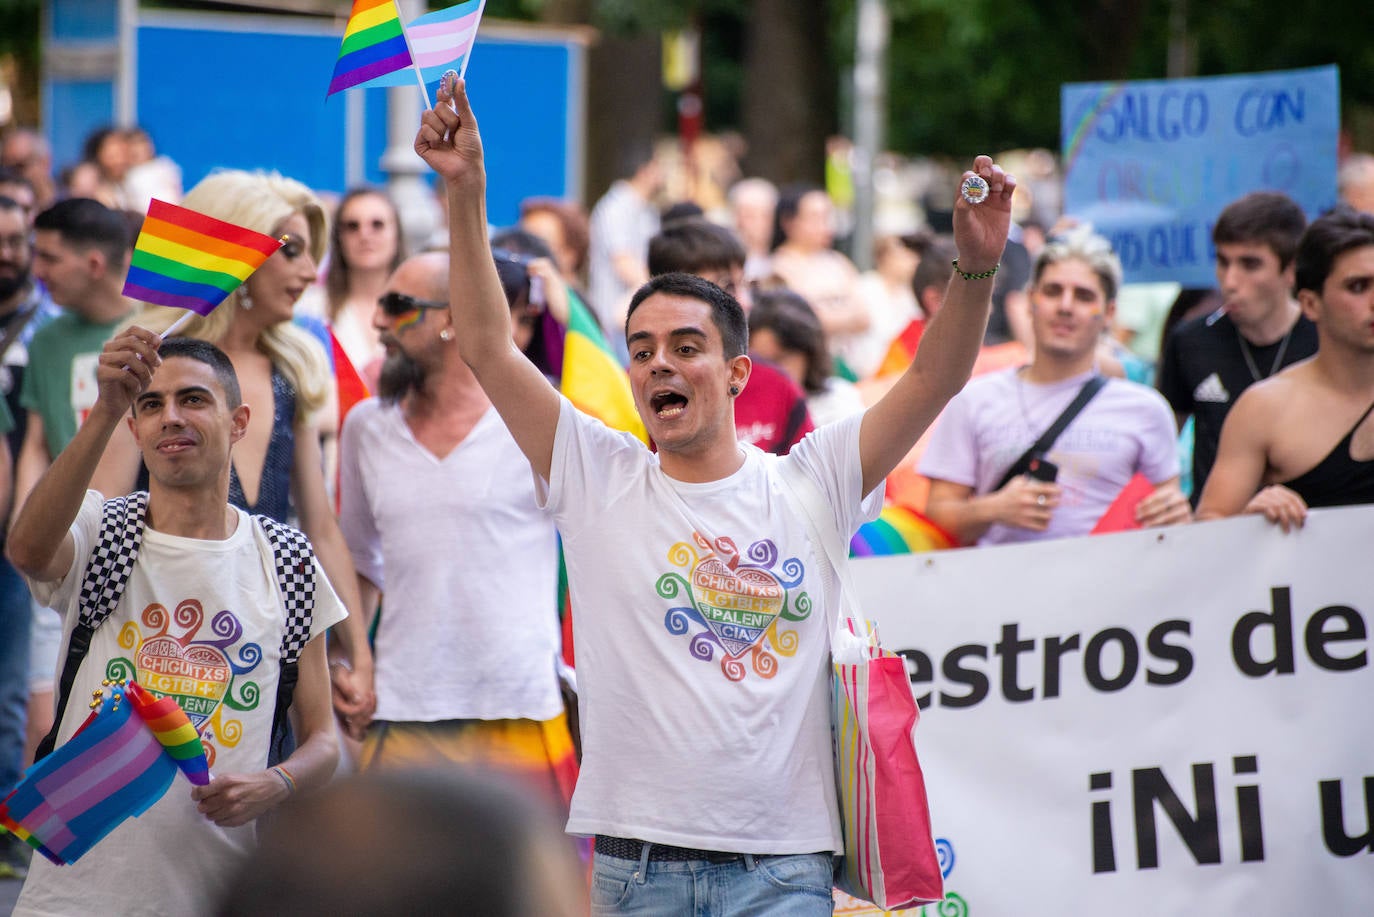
107, 573
294, 561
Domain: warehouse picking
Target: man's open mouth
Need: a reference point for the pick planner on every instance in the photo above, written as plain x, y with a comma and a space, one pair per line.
667, 404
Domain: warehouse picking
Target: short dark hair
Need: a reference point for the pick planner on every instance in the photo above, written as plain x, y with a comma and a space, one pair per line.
84, 223
522, 242
1331, 235
211, 356
694, 245
797, 327
1265, 217
726, 312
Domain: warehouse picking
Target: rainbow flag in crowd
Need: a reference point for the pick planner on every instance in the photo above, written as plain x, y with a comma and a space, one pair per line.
192, 261
592, 378
374, 45
120, 762
899, 530
348, 382
903, 349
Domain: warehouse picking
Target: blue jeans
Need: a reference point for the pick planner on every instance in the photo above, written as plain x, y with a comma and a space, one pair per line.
15, 615
758, 886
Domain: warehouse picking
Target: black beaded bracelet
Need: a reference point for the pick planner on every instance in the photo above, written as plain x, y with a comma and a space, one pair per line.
981, 275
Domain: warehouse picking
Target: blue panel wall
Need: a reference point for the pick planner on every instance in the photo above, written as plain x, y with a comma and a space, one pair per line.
219, 94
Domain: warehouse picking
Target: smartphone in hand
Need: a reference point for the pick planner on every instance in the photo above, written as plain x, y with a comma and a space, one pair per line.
1042, 469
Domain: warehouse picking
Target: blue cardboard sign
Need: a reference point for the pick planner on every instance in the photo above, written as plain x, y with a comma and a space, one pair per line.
1152, 163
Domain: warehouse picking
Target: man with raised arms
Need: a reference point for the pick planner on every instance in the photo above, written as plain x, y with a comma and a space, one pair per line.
703, 644
203, 618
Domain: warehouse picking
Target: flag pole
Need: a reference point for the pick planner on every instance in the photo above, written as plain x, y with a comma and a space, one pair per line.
414, 64
463, 70
176, 325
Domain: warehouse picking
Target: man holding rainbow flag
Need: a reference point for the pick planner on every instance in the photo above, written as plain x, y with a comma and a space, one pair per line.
201, 621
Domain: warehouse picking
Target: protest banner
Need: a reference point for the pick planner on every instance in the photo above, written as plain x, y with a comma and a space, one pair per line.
1154, 722
1152, 163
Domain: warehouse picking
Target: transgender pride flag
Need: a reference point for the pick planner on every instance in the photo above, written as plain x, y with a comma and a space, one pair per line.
120, 762
443, 40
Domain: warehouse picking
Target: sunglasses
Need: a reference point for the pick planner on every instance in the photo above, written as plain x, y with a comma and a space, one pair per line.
356, 225
398, 304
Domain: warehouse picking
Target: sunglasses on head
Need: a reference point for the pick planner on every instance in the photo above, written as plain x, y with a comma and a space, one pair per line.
395, 304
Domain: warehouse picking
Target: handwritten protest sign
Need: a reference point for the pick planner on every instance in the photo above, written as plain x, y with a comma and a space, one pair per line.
1150, 164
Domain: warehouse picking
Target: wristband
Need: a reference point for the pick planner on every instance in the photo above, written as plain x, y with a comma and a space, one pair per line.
981, 275
286, 778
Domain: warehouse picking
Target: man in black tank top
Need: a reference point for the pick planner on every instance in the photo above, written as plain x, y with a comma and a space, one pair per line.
1305, 438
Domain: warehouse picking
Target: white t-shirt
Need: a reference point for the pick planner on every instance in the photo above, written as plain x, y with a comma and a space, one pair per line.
702, 646
1125, 428
200, 621
467, 562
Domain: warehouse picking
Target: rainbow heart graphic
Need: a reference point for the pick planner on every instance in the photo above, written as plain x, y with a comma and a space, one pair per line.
737, 605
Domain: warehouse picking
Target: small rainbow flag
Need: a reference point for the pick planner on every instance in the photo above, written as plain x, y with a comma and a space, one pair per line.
120, 762
188, 260
374, 44
172, 728
899, 530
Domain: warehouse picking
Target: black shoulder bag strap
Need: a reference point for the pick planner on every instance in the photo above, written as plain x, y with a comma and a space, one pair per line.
294, 560
107, 573
1061, 423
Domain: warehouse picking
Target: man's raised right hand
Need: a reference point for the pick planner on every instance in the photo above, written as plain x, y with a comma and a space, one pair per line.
448, 139
125, 369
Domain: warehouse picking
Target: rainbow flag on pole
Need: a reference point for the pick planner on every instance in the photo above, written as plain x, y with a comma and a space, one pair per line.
191, 261
374, 45
120, 762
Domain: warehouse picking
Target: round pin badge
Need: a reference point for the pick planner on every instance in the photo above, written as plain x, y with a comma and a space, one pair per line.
974, 189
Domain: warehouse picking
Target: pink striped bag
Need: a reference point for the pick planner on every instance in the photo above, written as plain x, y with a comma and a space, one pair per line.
889, 851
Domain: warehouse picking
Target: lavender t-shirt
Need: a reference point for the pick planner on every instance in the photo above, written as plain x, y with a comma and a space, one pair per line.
1126, 428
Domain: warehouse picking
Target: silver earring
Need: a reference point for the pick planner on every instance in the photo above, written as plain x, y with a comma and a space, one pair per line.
245, 301
446, 334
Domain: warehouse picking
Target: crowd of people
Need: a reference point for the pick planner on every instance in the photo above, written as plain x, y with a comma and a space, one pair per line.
449, 523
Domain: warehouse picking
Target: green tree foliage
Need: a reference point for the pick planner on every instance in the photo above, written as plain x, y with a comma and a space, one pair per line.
972, 75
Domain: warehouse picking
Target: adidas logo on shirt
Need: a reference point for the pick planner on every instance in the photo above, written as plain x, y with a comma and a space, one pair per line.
1211, 390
